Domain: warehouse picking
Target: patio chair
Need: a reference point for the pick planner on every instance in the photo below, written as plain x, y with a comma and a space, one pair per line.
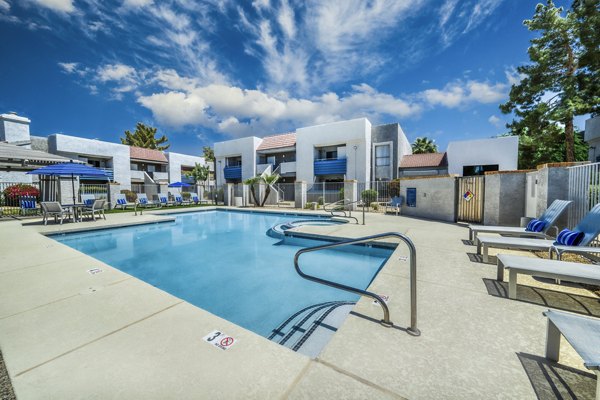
54, 209
163, 199
394, 205
143, 201
589, 225
581, 333
196, 200
548, 218
88, 199
97, 207
122, 202
554, 269
179, 200
27, 205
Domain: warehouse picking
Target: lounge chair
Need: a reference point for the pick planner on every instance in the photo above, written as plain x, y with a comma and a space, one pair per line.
179, 200
554, 269
143, 201
581, 333
54, 209
28, 205
394, 205
122, 203
549, 217
196, 200
97, 207
163, 199
589, 225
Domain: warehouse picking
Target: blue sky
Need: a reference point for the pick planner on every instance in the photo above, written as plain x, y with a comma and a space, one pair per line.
205, 71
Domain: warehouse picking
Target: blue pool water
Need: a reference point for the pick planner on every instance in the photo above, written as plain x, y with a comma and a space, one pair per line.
225, 263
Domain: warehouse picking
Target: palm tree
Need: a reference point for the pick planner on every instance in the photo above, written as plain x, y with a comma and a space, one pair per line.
251, 182
268, 180
424, 145
199, 173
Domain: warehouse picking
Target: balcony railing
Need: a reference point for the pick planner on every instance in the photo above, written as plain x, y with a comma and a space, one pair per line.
287, 167
233, 172
333, 166
109, 172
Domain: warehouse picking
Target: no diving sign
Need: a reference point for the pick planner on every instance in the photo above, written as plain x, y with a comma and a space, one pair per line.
219, 339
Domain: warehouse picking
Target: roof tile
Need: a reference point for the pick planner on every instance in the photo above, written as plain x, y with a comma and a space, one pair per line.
277, 141
139, 153
424, 160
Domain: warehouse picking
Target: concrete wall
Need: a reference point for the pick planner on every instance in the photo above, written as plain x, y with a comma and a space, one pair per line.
592, 137
79, 148
400, 146
39, 143
356, 132
553, 184
436, 198
503, 151
504, 202
14, 128
176, 161
244, 147
15, 176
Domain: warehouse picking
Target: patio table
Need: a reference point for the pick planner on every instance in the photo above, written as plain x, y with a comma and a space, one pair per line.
76, 208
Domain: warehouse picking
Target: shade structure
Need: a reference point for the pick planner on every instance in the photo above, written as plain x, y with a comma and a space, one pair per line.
179, 184
70, 169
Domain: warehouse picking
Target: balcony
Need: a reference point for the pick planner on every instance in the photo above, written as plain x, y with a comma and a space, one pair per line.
333, 166
159, 176
286, 168
260, 168
138, 175
109, 172
233, 172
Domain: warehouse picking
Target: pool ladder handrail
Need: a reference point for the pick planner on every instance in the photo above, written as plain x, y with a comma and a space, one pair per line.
334, 207
412, 330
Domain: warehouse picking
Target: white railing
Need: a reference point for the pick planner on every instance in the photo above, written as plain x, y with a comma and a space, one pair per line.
584, 190
137, 175
288, 167
263, 168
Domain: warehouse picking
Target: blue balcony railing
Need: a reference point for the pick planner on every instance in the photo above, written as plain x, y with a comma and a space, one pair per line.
109, 172
233, 172
187, 179
335, 166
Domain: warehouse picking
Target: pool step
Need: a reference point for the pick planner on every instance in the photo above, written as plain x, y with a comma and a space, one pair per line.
310, 329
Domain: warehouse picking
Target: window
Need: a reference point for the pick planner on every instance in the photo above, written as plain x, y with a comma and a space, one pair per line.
331, 155
470, 170
382, 156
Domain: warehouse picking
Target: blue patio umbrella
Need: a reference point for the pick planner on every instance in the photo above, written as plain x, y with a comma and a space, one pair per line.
179, 184
70, 169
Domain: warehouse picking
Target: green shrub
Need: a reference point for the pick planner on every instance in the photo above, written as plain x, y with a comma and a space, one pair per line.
342, 194
368, 196
375, 206
320, 200
129, 195
186, 195
395, 188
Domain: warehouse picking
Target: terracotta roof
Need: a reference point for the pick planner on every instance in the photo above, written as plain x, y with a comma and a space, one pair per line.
277, 141
424, 160
139, 153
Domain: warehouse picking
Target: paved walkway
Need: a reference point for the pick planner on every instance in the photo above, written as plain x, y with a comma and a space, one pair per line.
65, 333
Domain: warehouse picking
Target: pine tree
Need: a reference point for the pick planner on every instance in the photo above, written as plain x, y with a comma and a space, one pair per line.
145, 136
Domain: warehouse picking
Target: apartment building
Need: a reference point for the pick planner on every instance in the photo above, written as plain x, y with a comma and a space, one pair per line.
332, 152
123, 164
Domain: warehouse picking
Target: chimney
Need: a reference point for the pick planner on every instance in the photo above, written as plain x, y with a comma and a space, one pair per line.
14, 128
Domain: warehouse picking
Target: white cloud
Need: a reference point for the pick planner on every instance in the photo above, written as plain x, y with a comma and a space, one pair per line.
459, 93
61, 6
497, 122
68, 67
137, 3
458, 18
116, 72
4, 6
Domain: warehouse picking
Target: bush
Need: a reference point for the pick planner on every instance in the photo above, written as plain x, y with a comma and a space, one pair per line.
342, 194
186, 195
395, 188
368, 196
129, 195
375, 206
320, 200
15, 192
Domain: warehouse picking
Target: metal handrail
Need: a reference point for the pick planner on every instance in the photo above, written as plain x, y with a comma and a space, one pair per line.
342, 203
413, 330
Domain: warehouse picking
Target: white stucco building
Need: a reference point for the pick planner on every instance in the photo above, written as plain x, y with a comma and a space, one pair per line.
332, 152
123, 164
472, 157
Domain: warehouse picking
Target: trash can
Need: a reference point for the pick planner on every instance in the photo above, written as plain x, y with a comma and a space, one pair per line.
238, 201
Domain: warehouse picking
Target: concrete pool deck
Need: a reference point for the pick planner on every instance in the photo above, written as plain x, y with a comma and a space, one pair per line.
65, 333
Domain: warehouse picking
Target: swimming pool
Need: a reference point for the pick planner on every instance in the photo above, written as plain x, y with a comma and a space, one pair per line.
225, 263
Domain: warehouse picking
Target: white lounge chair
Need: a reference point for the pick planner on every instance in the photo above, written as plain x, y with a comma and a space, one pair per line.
554, 269
54, 209
122, 203
163, 199
583, 335
590, 225
143, 201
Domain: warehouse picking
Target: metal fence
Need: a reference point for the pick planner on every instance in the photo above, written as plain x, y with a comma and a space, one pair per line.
324, 192
213, 193
381, 191
100, 191
14, 194
584, 191
287, 191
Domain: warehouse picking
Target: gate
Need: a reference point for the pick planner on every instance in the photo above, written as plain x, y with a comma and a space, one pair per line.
584, 190
471, 192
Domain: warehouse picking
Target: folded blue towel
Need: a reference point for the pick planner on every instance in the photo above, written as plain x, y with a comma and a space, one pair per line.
568, 237
535, 225
121, 201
